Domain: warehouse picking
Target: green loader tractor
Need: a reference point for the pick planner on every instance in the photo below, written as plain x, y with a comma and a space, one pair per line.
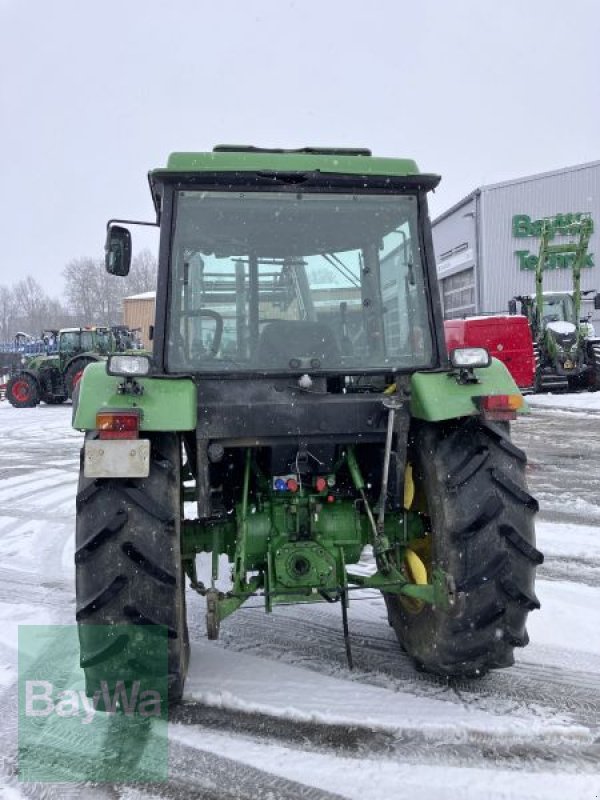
566, 349
52, 377
301, 399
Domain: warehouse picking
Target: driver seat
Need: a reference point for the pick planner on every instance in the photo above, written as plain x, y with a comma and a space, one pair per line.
282, 341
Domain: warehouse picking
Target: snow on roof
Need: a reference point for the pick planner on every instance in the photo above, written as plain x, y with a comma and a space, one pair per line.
142, 296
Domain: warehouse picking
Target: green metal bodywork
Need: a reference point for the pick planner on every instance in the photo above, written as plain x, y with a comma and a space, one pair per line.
286, 162
295, 546
437, 396
171, 404
35, 363
166, 404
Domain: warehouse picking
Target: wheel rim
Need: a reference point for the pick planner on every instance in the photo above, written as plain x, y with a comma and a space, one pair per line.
417, 564
21, 391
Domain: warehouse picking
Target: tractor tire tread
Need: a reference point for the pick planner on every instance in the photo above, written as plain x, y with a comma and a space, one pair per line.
100, 535
129, 572
491, 508
519, 595
501, 437
112, 649
86, 494
102, 598
482, 575
150, 506
137, 617
469, 466
146, 564
521, 544
520, 494
482, 537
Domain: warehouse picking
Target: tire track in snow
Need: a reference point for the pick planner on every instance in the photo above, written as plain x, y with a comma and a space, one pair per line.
314, 641
409, 746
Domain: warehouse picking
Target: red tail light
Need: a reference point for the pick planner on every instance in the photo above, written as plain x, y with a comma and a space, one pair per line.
500, 406
118, 424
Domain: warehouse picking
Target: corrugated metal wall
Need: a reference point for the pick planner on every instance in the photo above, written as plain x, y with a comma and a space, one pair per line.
569, 191
139, 313
455, 248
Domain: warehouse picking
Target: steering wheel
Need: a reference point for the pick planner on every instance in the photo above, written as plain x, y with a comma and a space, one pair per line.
208, 312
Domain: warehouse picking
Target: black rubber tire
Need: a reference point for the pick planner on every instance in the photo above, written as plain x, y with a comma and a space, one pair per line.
30, 399
537, 380
472, 479
72, 371
594, 363
129, 568
53, 400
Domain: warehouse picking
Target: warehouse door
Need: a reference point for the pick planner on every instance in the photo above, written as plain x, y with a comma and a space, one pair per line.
458, 294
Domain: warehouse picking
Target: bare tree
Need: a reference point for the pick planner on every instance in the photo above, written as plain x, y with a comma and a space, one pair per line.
31, 303
95, 297
58, 316
8, 313
111, 289
81, 287
142, 276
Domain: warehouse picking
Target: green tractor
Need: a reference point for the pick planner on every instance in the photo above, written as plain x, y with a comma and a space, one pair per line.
567, 352
301, 397
51, 377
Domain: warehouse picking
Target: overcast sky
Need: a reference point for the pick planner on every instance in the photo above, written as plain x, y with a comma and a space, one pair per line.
93, 94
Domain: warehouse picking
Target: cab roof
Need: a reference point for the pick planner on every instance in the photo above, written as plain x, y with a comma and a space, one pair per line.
227, 158
266, 163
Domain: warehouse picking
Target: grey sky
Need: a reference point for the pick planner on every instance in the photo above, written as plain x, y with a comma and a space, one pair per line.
93, 94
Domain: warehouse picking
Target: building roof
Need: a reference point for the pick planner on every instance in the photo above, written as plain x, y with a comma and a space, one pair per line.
513, 181
142, 296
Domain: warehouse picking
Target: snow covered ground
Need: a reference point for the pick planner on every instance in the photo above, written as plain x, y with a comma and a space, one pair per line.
579, 401
271, 709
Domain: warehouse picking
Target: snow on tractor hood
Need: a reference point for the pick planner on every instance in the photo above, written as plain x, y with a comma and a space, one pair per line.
561, 327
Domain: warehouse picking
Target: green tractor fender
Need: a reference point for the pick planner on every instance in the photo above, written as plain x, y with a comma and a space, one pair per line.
170, 404
28, 370
443, 395
166, 404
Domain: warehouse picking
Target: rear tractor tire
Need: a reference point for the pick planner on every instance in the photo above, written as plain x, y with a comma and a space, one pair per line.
23, 391
74, 372
129, 571
470, 484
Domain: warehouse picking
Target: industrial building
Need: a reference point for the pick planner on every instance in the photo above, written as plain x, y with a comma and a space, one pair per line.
486, 245
138, 314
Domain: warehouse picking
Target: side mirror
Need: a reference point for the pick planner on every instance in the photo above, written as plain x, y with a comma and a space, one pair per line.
117, 250
512, 306
597, 302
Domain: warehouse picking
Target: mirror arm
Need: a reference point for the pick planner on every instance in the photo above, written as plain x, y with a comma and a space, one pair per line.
130, 222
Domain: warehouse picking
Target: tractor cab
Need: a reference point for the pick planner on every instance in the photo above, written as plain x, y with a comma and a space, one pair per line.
72, 341
293, 282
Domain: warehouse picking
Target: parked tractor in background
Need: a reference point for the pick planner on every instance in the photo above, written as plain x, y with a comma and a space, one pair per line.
52, 375
301, 395
567, 352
